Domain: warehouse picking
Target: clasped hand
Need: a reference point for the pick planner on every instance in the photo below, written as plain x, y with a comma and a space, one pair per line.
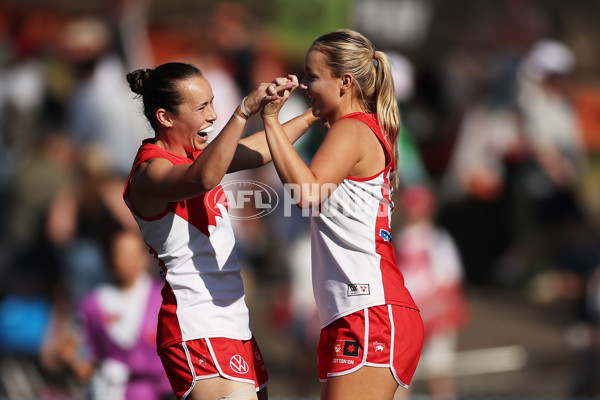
268, 92
283, 88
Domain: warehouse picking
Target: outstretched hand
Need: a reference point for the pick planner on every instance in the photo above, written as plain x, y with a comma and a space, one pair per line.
267, 92
272, 107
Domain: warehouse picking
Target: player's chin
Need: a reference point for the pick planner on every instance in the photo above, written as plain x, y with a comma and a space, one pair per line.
200, 145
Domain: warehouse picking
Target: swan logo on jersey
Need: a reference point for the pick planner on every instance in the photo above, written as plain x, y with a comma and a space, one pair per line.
249, 199
238, 364
358, 289
385, 235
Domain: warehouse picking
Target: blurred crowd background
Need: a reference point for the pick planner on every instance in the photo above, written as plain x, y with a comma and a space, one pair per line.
497, 221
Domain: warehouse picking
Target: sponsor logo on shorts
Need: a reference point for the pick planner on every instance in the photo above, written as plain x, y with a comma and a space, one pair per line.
378, 347
338, 347
258, 360
342, 361
358, 289
347, 348
201, 361
238, 364
257, 355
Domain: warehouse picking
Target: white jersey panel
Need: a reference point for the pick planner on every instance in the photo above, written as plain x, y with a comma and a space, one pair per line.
204, 275
346, 272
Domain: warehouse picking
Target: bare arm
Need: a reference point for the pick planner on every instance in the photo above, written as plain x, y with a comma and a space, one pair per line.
349, 148
253, 151
157, 182
337, 157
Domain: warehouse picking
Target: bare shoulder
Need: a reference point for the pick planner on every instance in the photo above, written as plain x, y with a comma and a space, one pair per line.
354, 136
349, 125
343, 146
146, 193
351, 131
150, 171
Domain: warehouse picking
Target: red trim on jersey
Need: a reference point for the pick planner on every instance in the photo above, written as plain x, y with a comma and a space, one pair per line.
368, 178
371, 121
391, 275
200, 211
204, 210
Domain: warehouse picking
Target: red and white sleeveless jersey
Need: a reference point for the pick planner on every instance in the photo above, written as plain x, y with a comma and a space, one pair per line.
353, 260
203, 295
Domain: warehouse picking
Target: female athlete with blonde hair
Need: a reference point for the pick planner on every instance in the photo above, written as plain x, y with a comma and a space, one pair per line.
371, 329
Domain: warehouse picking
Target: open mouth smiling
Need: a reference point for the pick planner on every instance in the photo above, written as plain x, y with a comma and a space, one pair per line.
203, 133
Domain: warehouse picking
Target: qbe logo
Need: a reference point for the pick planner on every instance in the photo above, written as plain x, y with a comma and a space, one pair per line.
248, 199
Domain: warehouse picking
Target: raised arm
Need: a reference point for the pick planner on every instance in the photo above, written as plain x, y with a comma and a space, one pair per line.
253, 151
349, 148
338, 155
157, 182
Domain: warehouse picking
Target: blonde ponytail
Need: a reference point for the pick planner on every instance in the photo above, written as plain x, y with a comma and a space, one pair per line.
386, 106
348, 51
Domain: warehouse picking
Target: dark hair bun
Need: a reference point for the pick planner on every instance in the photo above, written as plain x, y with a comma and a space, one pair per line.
137, 79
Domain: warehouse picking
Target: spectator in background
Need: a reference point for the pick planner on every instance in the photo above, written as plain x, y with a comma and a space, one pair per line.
552, 129
411, 169
566, 240
233, 39
433, 272
561, 237
478, 184
22, 92
31, 264
129, 22
81, 217
116, 352
31, 290
80, 220
32, 294
101, 111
